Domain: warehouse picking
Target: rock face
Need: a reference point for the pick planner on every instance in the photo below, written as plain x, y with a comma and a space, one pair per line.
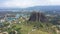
37, 16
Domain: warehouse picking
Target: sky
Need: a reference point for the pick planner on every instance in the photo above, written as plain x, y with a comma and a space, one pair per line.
28, 3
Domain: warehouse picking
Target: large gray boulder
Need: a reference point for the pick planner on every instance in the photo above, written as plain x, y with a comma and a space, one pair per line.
37, 16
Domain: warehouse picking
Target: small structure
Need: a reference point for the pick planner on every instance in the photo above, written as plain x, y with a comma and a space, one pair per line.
10, 17
2, 18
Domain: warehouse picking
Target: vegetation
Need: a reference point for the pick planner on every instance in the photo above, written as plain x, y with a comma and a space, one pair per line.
31, 26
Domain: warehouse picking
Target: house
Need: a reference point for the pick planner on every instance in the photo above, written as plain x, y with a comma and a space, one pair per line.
10, 17
2, 18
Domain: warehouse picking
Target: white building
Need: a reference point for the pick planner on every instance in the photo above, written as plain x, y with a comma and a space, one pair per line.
2, 19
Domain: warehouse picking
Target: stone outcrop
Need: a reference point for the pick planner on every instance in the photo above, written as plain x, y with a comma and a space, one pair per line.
37, 16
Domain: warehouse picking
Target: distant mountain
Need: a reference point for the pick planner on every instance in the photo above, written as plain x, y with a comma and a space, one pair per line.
44, 8
41, 8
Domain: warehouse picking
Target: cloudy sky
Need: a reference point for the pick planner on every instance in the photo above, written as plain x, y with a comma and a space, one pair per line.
28, 3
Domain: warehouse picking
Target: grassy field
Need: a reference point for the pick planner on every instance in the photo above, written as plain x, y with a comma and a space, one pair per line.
23, 28
28, 29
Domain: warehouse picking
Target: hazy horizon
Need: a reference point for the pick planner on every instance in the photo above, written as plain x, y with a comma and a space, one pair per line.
28, 3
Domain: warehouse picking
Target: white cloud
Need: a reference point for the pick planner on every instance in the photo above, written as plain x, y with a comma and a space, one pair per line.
28, 3
54, 2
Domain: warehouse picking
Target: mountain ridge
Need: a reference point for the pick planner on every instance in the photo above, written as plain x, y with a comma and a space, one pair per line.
40, 8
